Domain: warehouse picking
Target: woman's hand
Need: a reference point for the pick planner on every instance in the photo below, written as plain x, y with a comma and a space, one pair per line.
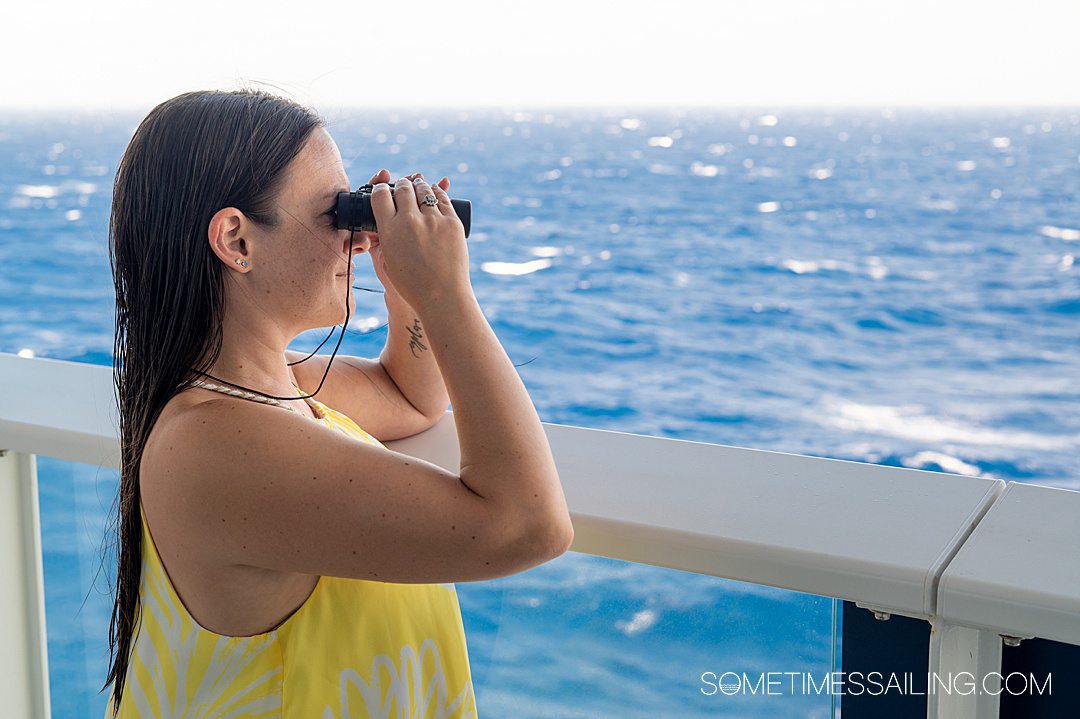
422, 253
377, 260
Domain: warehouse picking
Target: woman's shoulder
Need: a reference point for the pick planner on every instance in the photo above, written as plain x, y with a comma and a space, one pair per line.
188, 405
176, 454
170, 457
213, 586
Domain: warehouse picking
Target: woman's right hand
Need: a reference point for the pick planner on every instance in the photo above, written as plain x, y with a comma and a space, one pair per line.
423, 247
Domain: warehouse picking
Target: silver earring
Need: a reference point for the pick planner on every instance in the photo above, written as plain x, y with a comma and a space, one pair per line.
241, 263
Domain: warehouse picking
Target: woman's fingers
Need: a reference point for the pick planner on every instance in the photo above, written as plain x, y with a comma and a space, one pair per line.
412, 187
382, 202
380, 176
443, 183
405, 196
445, 206
423, 189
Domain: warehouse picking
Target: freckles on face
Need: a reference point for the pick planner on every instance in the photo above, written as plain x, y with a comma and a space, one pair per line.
318, 248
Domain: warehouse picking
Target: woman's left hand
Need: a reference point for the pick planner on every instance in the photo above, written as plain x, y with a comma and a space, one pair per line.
375, 250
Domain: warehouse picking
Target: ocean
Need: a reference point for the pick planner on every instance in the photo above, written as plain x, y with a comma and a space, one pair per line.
896, 286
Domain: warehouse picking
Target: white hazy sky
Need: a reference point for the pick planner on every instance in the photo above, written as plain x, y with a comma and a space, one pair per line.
762, 53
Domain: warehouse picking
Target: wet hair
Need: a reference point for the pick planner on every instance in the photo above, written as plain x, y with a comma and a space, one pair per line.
189, 157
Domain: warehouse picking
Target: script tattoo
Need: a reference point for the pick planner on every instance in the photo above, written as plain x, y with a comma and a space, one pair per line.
416, 333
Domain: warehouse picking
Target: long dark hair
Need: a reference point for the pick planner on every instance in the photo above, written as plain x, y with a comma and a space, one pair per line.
191, 156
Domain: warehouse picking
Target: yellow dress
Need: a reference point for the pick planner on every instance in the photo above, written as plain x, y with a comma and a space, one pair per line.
355, 648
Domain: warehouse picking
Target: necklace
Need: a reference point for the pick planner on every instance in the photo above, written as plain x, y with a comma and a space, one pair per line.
247, 395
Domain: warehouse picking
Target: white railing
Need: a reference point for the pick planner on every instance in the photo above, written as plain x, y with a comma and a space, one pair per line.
976, 557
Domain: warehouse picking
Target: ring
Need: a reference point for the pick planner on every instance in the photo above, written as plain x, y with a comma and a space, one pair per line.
431, 200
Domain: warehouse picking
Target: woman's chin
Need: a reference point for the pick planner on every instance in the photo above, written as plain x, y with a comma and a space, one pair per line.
334, 314
351, 303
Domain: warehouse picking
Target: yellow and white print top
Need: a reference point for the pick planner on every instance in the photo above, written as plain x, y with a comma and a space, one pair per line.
355, 648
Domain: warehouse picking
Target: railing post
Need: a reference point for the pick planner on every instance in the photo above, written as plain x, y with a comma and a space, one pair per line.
968, 662
24, 663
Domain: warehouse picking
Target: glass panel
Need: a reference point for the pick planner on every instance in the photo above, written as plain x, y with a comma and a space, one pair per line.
586, 636
580, 636
80, 568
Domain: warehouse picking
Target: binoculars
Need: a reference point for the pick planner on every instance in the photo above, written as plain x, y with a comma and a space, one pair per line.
353, 211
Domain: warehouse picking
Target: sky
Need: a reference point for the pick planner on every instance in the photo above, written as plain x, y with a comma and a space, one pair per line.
588, 53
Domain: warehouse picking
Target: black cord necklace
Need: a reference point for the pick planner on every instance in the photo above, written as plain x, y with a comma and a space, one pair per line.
348, 289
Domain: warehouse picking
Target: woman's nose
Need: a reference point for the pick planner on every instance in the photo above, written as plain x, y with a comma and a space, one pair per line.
361, 242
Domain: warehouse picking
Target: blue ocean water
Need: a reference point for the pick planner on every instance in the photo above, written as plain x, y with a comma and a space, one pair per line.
896, 287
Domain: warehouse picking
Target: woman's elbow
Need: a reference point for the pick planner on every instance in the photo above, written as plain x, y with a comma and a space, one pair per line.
562, 536
546, 541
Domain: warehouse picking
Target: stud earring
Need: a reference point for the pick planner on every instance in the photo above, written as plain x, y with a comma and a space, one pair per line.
241, 263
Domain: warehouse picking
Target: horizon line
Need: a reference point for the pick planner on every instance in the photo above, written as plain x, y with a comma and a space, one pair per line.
763, 108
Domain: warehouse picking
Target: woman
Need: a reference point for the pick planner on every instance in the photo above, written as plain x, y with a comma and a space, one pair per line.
275, 559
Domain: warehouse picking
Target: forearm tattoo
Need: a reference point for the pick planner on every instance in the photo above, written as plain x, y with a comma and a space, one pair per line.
416, 334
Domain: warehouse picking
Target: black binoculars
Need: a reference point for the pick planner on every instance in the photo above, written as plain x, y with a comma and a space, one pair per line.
354, 211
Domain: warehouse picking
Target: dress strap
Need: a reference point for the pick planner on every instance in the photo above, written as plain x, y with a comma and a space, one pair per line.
232, 391
314, 404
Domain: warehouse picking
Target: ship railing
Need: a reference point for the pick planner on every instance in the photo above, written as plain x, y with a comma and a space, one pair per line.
984, 562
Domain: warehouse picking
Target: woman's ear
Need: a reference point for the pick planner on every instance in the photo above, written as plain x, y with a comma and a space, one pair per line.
225, 233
